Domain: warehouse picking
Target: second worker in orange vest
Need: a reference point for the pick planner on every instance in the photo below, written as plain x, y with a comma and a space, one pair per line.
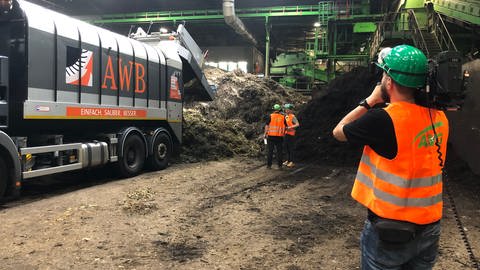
292, 125
274, 133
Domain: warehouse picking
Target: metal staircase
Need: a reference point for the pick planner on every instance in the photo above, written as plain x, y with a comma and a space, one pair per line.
325, 10
431, 43
433, 38
385, 26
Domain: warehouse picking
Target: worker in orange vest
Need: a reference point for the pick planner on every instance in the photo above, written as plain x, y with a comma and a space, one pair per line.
274, 133
399, 178
292, 125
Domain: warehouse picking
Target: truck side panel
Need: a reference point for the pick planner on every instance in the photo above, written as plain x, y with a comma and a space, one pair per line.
90, 63
124, 80
41, 78
141, 75
153, 78
94, 75
126, 66
66, 70
109, 78
68, 50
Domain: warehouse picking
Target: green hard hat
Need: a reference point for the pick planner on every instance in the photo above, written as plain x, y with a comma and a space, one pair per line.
288, 106
406, 65
277, 107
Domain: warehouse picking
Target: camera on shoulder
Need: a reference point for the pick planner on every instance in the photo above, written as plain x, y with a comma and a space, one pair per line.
446, 84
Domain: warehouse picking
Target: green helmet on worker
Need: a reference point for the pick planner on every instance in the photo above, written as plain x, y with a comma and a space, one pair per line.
406, 65
277, 107
288, 106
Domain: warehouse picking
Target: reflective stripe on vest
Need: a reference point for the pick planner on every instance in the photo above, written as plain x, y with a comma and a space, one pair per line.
402, 182
409, 186
289, 119
398, 201
277, 125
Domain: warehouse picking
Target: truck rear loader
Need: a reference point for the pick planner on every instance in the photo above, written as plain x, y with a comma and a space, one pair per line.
74, 96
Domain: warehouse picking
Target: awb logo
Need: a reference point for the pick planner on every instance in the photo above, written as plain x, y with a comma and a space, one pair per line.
427, 138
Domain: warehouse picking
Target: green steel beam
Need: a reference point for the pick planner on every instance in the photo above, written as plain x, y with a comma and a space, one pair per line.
467, 11
189, 15
267, 48
345, 57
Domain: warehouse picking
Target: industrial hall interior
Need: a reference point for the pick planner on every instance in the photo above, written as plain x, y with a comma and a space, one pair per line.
240, 134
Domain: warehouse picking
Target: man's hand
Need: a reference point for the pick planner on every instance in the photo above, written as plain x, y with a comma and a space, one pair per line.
376, 96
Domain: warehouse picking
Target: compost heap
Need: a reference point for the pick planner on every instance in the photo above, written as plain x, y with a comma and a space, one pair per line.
315, 142
232, 124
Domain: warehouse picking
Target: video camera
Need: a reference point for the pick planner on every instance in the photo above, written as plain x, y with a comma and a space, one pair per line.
446, 83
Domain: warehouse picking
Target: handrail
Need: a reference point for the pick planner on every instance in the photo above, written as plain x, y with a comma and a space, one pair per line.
378, 36
440, 30
417, 35
377, 39
388, 23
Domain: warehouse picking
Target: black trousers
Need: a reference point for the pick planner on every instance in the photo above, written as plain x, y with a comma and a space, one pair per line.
274, 142
290, 146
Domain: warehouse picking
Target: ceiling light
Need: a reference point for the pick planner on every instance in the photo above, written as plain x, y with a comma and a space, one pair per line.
316, 24
163, 30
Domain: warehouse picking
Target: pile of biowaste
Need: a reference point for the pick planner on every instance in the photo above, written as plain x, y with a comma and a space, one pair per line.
318, 118
233, 124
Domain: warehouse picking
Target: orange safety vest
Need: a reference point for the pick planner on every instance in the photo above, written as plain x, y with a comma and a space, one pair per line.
409, 186
289, 119
277, 125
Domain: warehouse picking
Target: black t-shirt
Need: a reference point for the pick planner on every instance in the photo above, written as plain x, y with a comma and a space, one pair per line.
375, 129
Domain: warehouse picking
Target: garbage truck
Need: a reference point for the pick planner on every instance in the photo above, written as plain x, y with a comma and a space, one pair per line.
75, 96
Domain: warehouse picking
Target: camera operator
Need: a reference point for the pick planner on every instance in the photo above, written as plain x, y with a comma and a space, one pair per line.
399, 177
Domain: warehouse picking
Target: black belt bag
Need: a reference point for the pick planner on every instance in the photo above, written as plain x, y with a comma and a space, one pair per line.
394, 231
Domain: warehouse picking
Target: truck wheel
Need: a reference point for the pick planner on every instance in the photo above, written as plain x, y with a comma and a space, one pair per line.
162, 150
3, 177
133, 159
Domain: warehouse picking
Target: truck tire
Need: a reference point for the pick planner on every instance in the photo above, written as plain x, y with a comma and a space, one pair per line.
3, 177
133, 159
162, 151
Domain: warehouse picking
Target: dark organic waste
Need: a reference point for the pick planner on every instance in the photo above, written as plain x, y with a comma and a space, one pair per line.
315, 141
233, 123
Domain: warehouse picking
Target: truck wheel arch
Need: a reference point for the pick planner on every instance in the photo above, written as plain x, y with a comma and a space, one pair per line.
9, 153
157, 162
123, 136
152, 138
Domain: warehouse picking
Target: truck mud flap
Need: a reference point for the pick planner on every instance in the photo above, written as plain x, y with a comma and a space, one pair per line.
11, 154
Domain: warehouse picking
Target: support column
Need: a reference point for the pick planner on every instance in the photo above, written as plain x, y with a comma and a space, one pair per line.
267, 48
317, 30
332, 67
315, 55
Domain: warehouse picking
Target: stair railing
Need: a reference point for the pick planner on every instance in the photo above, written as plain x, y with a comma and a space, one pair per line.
377, 39
417, 35
379, 34
441, 33
385, 26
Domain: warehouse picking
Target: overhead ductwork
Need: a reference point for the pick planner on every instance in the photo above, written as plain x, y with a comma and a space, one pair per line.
233, 21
